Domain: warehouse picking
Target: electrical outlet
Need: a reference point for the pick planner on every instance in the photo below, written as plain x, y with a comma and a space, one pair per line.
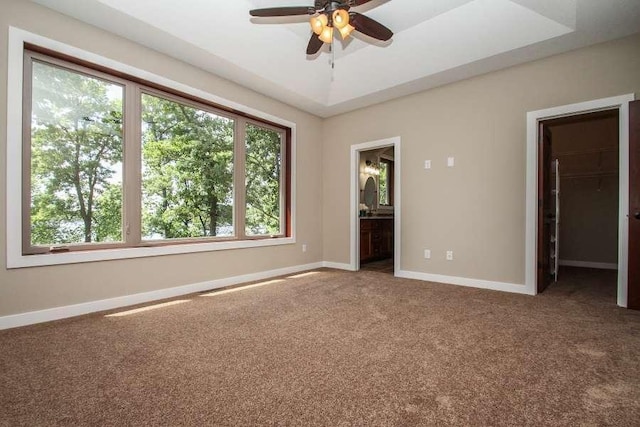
427, 254
304, 247
450, 162
427, 164
449, 255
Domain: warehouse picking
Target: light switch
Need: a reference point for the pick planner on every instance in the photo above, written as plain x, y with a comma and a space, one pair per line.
427, 164
450, 162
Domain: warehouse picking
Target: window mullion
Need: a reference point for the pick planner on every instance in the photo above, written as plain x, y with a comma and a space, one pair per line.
132, 176
283, 183
239, 178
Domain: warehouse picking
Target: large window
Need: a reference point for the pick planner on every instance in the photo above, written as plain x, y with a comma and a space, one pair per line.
112, 162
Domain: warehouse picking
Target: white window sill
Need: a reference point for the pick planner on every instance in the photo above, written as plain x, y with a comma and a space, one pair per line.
21, 261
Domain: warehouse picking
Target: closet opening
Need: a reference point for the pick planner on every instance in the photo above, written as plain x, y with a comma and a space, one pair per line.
578, 219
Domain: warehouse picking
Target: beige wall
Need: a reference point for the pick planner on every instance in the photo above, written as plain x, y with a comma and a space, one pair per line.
477, 208
30, 289
588, 155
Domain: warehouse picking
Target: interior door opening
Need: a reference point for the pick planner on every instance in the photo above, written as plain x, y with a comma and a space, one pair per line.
376, 210
376, 202
578, 205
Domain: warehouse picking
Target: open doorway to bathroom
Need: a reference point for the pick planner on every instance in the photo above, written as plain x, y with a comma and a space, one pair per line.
376, 209
375, 206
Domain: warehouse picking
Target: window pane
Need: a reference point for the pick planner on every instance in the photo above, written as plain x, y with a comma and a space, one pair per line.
383, 180
76, 157
187, 171
263, 193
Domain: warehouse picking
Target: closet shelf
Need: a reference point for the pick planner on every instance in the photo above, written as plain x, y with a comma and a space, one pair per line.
588, 175
582, 152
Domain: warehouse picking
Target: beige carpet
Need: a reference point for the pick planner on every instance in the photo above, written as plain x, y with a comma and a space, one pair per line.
334, 349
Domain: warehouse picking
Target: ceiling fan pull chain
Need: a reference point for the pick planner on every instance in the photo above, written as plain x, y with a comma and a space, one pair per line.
333, 57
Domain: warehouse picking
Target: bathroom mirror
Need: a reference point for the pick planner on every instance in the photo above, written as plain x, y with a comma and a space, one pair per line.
370, 192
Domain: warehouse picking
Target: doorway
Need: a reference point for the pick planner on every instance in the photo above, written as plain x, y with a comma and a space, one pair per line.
375, 233
578, 182
376, 209
536, 143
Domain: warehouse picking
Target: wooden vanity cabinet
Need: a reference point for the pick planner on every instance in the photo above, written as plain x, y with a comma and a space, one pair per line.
376, 239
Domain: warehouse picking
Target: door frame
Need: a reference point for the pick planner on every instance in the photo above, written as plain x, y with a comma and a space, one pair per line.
394, 142
621, 103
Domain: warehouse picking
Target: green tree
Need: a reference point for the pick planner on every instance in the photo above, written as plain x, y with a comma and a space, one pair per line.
187, 170
264, 165
76, 148
187, 165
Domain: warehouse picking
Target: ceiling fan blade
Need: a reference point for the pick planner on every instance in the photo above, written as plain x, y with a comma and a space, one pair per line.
283, 11
370, 27
314, 44
354, 3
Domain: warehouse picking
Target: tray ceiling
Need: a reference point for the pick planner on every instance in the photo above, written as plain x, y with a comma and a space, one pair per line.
435, 42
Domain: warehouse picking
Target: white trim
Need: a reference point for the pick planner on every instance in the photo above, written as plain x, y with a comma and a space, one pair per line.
354, 177
533, 118
464, 281
15, 259
589, 264
20, 261
32, 317
337, 265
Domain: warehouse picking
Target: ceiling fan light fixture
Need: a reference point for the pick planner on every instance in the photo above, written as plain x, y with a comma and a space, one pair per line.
346, 31
326, 35
318, 23
340, 18
325, 16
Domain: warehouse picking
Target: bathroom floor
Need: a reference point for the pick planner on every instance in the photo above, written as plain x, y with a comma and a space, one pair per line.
382, 266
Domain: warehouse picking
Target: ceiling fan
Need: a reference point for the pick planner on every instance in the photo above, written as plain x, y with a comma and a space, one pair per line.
327, 15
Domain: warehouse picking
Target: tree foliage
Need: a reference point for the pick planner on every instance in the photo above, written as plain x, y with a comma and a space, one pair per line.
76, 148
187, 171
187, 166
263, 164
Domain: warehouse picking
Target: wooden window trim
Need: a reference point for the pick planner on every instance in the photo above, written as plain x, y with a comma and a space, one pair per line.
133, 88
27, 247
148, 84
284, 181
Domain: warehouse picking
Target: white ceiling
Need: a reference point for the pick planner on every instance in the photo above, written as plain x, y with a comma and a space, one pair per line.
435, 42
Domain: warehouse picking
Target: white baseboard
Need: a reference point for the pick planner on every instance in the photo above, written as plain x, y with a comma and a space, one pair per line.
337, 265
589, 264
32, 317
463, 281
